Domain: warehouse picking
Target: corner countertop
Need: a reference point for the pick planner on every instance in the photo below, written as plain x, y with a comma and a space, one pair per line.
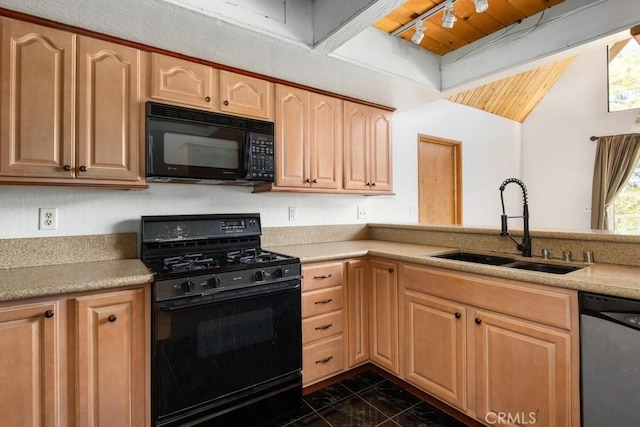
28, 282
607, 279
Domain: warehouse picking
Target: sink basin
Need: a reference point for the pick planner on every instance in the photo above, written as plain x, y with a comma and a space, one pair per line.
476, 258
544, 268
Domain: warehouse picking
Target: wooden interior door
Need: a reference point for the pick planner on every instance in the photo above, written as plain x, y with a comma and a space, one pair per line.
439, 180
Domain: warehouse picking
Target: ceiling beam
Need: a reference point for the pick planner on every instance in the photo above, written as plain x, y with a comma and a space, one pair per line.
335, 23
570, 25
635, 33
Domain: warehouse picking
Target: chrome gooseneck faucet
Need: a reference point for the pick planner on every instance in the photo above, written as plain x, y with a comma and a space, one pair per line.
525, 246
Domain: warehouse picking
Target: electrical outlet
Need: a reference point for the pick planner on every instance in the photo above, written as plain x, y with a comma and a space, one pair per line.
362, 213
48, 219
292, 213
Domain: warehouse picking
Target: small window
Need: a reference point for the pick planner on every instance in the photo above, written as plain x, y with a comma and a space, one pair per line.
626, 208
624, 75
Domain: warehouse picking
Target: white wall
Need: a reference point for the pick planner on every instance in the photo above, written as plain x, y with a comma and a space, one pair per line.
490, 154
557, 154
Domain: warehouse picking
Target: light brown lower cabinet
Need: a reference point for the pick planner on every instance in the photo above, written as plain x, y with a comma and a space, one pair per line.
495, 349
76, 360
383, 339
323, 337
358, 307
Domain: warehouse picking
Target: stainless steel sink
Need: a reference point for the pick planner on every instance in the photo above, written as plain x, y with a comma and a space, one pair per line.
544, 268
476, 258
507, 262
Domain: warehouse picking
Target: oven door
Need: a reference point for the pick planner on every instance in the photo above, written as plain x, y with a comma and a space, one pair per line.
194, 150
210, 354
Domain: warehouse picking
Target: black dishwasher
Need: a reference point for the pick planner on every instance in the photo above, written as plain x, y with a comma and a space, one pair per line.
610, 360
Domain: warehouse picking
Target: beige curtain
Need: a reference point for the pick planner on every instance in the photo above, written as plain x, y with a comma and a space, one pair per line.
616, 158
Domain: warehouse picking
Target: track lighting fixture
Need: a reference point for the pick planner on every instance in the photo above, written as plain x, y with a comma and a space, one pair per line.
419, 34
481, 5
448, 16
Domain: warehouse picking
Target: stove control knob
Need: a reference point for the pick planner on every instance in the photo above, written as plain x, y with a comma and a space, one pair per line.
187, 286
277, 273
214, 282
259, 275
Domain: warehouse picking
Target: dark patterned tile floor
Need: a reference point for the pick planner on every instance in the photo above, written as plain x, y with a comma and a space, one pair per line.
368, 399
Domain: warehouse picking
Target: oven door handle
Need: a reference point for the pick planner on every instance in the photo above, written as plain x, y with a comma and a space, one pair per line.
222, 297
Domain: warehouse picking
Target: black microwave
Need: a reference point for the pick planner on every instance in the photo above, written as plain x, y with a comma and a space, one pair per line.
187, 145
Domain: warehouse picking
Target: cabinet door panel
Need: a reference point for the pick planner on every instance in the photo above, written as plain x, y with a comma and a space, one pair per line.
522, 369
246, 96
384, 315
110, 358
326, 141
380, 151
36, 127
108, 110
357, 312
30, 392
356, 134
292, 153
435, 346
184, 82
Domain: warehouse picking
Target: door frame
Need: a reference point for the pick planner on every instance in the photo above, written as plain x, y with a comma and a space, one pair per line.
457, 149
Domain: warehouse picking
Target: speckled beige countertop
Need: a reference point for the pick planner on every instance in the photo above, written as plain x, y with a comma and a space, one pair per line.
35, 267
609, 279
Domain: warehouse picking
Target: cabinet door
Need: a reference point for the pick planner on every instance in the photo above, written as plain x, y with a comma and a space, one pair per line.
435, 347
325, 138
183, 82
381, 174
36, 137
30, 380
522, 370
356, 134
357, 312
109, 145
384, 315
292, 141
110, 359
246, 96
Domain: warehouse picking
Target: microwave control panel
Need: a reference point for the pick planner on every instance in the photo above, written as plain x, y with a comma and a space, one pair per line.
261, 161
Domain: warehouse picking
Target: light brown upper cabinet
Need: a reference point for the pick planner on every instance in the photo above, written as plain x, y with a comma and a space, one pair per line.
201, 86
367, 148
308, 139
246, 96
183, 82
41, 142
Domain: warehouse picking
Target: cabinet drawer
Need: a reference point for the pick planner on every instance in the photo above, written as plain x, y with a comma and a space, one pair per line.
321, 301
323, 326
321, 275
323, 359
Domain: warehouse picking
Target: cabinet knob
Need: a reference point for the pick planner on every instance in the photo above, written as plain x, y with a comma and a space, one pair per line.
66, 168
315, 181
368, 184
458, 315
478, 320
391, 270
307, 180
82, 168
48, 314
112, 318
226, 102
373, 184
207, 98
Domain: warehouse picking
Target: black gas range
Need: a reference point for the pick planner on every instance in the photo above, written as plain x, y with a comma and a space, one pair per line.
226, 330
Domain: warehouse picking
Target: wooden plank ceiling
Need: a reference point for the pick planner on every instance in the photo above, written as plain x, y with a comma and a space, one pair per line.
513, 97
470, 25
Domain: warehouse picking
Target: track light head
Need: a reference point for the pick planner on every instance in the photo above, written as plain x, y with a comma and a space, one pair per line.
419, 34
448, 16
481, 5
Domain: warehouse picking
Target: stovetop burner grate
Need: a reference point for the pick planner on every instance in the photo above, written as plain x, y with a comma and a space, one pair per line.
190, 261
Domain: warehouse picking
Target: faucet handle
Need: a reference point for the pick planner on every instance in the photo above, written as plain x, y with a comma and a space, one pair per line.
566, 256
546, 253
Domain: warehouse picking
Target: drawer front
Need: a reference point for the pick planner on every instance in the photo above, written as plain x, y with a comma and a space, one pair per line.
322, 359
323, 326
325, 275
321, 301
